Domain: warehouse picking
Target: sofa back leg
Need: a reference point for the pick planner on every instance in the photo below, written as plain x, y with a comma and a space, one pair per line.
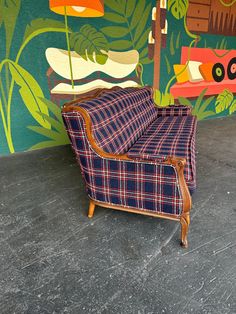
185, 221
91, 209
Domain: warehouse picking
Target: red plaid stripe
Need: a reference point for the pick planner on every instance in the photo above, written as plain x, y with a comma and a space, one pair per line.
175, 110
120, 118
170, 136
147, 185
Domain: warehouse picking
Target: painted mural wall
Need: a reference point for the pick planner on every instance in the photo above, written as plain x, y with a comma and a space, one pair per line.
185, 49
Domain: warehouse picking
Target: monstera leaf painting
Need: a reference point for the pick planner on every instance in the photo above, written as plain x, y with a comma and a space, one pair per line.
128, 31
225, 100
89, 43
178, 8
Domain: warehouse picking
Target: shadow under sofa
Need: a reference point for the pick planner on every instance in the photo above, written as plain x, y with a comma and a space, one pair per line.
133, 155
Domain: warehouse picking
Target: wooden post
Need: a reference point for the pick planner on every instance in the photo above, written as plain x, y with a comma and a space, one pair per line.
157, 48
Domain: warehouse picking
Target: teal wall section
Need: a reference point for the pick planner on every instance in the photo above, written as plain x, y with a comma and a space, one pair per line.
18, 113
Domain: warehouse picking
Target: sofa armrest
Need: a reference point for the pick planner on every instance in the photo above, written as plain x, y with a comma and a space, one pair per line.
148, 157
175, 110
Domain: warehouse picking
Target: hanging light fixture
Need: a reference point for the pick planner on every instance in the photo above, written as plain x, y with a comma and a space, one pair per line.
81, 8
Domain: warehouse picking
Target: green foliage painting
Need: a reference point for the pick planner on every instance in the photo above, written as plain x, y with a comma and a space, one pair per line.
15, 75
128, 29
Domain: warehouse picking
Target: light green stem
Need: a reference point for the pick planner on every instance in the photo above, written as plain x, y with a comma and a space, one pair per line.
195, 38
7, 77
141, 73
68, 48
182, 71
191, 35
3, 93
7, 133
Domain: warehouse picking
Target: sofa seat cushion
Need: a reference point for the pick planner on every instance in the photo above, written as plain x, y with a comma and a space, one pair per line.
169, 136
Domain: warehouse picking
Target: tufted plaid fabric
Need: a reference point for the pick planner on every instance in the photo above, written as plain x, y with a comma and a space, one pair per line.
120, 118
175, 110
170, 136
149, 186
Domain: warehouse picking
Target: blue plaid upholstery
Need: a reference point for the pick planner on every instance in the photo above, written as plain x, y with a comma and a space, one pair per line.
175, 110
120, 118
170, 136
149, 186
127, 121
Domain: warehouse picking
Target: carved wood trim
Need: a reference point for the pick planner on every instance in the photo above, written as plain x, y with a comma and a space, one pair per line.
136, 211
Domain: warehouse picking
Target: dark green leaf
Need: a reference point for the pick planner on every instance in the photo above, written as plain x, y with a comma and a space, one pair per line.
205, 114
130, 5
178, 8
40, 26
177, 41
138, 12
120, 45
114, 17
140, 29
46, 132
57, 125
143, 53
114, 5
9, 10
143, 40
172, 48
206, 103
145, 60
184, 101
52, 108
168, 67
89, 42
115, 31
45, 144
199, 100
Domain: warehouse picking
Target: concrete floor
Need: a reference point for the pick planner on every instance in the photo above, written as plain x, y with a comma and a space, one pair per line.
53, 259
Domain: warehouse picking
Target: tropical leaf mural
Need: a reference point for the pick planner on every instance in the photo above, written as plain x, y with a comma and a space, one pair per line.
178, 8
126, 25
57, 134
201, 106
128, 31
89, 43
225, 100
30, 91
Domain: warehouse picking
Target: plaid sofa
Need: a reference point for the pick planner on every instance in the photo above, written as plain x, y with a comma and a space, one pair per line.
129, 152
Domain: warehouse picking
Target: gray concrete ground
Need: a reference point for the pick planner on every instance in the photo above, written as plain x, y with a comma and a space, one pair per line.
53, 259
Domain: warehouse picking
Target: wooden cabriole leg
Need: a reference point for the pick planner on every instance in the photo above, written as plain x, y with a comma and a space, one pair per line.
185, 221
91, 209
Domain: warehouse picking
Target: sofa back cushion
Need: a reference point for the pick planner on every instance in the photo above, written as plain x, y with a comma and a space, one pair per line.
120, 117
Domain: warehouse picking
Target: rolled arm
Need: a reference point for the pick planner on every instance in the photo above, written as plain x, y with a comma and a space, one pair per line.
175, 110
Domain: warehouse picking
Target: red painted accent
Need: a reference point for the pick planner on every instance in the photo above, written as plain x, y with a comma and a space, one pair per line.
204, 55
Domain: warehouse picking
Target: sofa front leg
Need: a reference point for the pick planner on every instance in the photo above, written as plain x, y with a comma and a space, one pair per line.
185, 221
91, 209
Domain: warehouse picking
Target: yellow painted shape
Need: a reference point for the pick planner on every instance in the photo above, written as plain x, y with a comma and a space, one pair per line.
183, 77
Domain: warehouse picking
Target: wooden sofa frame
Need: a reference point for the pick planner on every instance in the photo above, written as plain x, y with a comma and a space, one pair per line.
177, 162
